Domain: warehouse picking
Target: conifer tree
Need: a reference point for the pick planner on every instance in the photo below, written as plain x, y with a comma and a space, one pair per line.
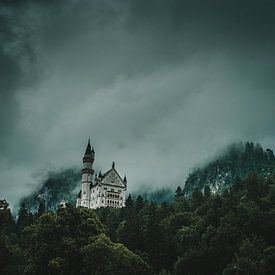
139, 203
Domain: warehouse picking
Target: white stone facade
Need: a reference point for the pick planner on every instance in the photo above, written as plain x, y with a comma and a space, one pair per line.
107, 190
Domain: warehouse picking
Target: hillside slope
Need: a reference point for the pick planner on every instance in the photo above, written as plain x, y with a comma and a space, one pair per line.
58, 186
237, 161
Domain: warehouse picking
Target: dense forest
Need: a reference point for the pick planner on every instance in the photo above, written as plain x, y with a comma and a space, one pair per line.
237, 160
205, 233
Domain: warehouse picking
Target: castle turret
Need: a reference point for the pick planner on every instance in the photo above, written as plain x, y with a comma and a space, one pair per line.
104, 190
125, 181
87, 175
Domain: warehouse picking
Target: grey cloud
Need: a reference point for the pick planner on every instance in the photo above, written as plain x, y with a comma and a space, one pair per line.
160, 86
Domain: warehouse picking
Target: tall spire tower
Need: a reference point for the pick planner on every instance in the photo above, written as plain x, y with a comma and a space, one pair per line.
105, 190
87, 175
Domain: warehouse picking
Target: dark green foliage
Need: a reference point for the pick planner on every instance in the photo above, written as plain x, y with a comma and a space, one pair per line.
230, 233
24, 217
139, 203
70, 241
237, 161
129, 202
6, 226
102, 256
205, 233
57, 239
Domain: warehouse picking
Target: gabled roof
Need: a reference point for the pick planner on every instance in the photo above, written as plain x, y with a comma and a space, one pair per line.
112, 177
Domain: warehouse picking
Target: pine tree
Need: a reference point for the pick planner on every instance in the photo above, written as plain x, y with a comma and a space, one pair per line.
23, 216
129, 202
139, 203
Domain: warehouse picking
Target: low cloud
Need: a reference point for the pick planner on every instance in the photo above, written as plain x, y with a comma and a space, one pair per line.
159, 87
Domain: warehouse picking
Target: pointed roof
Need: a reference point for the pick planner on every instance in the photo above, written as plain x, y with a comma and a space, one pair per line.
124, 180
88, 149
111, 177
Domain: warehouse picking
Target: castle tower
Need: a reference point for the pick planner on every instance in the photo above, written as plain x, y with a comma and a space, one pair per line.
87, 176
106, 190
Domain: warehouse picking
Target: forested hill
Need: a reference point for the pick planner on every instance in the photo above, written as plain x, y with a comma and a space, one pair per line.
64, 185
203, 234
56, 187
237, 161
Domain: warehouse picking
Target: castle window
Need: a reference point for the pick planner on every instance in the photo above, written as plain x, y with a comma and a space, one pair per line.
105, 188
112, 190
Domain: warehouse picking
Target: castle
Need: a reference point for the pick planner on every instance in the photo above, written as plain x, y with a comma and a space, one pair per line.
104, 190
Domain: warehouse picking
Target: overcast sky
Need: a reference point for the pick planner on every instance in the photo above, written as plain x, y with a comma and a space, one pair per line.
159, 86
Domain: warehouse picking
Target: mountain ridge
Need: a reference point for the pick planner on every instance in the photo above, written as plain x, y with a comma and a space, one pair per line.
237, 161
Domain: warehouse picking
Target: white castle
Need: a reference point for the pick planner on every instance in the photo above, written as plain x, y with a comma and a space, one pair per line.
104, 190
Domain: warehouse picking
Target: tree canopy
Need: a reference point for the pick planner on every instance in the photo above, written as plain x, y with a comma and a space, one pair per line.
230, 233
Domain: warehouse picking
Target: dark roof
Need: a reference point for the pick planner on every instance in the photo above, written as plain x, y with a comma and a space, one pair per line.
79, 194
88, 149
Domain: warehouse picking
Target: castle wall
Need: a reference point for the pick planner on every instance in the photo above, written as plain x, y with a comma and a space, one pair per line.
107, 196
107, 191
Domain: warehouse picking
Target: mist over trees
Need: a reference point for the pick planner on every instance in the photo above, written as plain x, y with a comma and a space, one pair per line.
237, 160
